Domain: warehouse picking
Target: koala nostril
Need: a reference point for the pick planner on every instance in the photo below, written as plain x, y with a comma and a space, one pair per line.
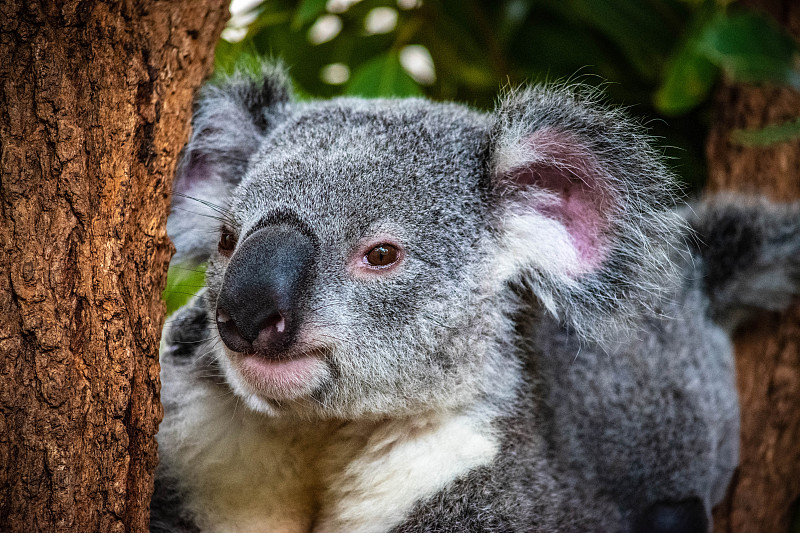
272, 332
222, 317
275, 321
230, 334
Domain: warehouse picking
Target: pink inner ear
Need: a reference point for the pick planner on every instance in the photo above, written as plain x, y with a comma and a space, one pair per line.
563, 167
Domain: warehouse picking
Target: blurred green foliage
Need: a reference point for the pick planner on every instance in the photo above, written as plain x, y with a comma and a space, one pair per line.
182, 283
661, 58
772, 134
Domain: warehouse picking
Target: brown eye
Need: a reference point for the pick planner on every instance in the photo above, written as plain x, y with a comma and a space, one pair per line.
382, 255
227, 242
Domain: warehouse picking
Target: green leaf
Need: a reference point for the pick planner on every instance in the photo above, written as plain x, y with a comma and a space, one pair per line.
750, 48
225, 56
382, 76
236, 57
687, 82
307, 11
182, 283
769, 135
270, 18
688, 76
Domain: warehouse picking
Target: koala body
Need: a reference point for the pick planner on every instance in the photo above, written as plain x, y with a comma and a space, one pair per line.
419, 317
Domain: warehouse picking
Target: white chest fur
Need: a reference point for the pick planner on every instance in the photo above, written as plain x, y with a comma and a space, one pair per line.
249, 473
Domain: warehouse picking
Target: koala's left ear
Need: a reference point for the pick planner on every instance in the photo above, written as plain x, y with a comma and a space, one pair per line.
231, 119
583, 207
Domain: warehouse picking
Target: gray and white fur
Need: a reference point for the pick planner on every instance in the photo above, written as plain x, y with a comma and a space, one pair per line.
547, 350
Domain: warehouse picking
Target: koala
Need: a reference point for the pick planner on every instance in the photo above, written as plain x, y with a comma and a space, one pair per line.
419, 317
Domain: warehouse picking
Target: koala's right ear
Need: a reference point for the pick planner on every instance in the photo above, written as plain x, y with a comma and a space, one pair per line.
231, 118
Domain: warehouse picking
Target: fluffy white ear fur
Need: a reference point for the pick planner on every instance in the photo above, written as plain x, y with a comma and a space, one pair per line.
557, 209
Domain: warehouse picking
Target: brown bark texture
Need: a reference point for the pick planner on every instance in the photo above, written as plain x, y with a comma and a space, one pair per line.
95, 99
764, 493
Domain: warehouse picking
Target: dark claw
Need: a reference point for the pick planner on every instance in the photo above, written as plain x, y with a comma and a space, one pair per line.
686, 516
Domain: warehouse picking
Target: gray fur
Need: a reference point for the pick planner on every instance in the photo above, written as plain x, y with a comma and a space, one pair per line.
642, 225
228, 127
751, 267
608, 386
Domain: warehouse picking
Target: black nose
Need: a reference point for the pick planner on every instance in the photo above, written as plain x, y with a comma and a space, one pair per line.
258, 307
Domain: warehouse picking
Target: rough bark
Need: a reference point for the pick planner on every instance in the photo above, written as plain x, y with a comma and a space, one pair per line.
766, 487
95, 99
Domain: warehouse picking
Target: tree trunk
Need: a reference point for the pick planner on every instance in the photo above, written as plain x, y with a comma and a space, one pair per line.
766, 487
95, 99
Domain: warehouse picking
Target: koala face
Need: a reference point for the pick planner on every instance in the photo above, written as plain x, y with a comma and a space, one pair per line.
370, 254
343, 280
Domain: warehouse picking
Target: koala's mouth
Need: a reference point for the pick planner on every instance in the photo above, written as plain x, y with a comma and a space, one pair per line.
286, 378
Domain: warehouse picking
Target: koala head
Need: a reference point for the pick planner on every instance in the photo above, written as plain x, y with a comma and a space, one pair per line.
366, 257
